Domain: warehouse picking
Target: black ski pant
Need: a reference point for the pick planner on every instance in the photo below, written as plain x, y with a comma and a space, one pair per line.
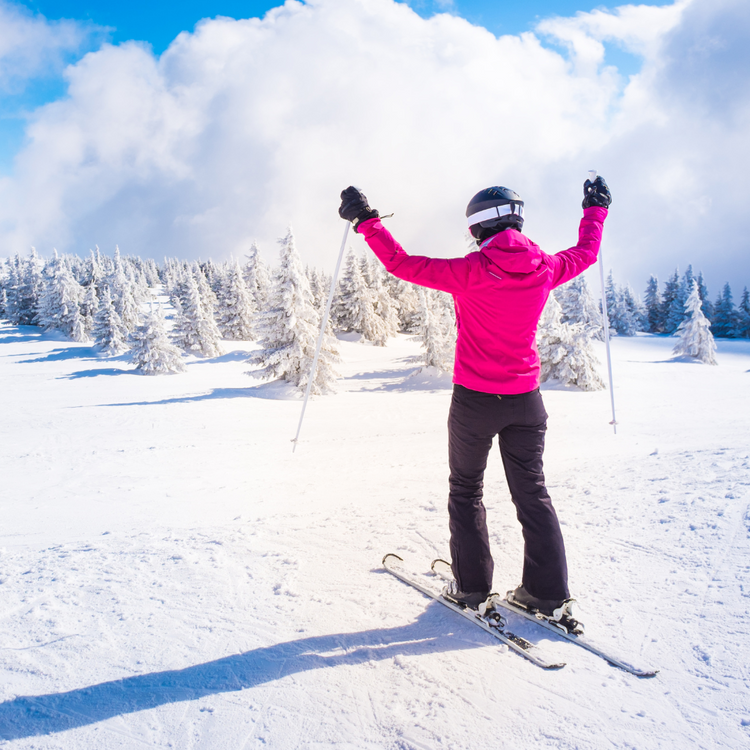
520, 422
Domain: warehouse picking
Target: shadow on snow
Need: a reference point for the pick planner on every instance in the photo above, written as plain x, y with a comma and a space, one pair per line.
71, 352
31, 716
101, 371
275, 390
419, 379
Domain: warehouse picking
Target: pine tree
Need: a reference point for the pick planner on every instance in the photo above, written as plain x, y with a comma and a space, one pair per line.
654, 320
706, 306
636, 315
565, 351
406, 297
622, 309
384, 304
695, 336
437, 330
206, 287
110, 335
672, 304
124, 294
289, 329
317, 287
257, 278
578, 306
24, 288
58, 303
89, 305
355, 304
236, 306
152, 352
743, 317
724, 322
194, 330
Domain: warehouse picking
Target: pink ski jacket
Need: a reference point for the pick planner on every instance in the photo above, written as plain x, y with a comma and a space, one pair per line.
499, 293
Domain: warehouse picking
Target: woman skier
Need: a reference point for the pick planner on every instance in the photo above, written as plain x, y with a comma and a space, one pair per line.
499, 292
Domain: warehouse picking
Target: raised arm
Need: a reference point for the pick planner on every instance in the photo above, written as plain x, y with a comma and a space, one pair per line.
446, 274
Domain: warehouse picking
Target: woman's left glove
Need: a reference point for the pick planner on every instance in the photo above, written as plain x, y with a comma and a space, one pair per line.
354, 207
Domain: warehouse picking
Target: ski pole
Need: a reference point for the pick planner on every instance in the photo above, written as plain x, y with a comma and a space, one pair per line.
592, 177
323, 324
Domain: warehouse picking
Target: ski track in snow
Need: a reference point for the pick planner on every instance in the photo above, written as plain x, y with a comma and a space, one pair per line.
171, 575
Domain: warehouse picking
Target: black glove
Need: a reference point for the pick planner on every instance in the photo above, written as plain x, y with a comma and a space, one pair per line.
596, 193
354, 207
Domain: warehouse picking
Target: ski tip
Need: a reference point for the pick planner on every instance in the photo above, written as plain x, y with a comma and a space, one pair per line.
393, 555
646, 673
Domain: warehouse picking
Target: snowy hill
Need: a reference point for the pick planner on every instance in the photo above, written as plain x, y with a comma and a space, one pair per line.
171, 575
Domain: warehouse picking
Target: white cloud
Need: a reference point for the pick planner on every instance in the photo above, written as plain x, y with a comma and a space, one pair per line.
639, 29
244, 126
31, 46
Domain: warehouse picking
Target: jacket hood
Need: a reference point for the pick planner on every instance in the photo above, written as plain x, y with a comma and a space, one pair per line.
512, 252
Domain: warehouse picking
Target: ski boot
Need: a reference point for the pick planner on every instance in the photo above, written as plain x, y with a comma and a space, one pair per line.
471, 599
558, 612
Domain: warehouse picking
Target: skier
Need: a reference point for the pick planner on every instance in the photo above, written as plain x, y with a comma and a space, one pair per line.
499, 293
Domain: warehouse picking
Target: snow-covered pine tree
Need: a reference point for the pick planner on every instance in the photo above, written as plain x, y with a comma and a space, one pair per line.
214, 275
578, 306
620, 309
355, 304
4, 278
654, 322
236, 308
694, 332
109, 332
206, 287
10, 287
724, 322
385, 305
706, 306
89, 305
289, 329
58, 303
194, 330
94, 273
565, 350
743, 317
636, 312
257, 277
152, 352
24, 289
406, 297
124, 294
436, 331
316, 288
673, 303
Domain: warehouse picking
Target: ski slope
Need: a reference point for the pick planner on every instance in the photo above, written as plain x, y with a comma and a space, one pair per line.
172, 576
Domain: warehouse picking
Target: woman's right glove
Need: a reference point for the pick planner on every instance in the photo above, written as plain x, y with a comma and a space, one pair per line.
596, 193
354, 207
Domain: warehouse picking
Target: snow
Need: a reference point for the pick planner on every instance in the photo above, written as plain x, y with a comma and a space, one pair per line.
171, 575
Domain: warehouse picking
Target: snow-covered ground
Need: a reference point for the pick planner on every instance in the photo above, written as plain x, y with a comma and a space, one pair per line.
172, 575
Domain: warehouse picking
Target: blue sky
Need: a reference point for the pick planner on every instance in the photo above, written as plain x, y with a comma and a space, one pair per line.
160, 22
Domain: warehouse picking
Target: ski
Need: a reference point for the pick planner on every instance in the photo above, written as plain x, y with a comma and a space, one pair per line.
494, 624
442, 569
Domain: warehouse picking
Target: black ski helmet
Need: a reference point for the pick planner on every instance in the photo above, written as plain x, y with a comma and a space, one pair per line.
492, 210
